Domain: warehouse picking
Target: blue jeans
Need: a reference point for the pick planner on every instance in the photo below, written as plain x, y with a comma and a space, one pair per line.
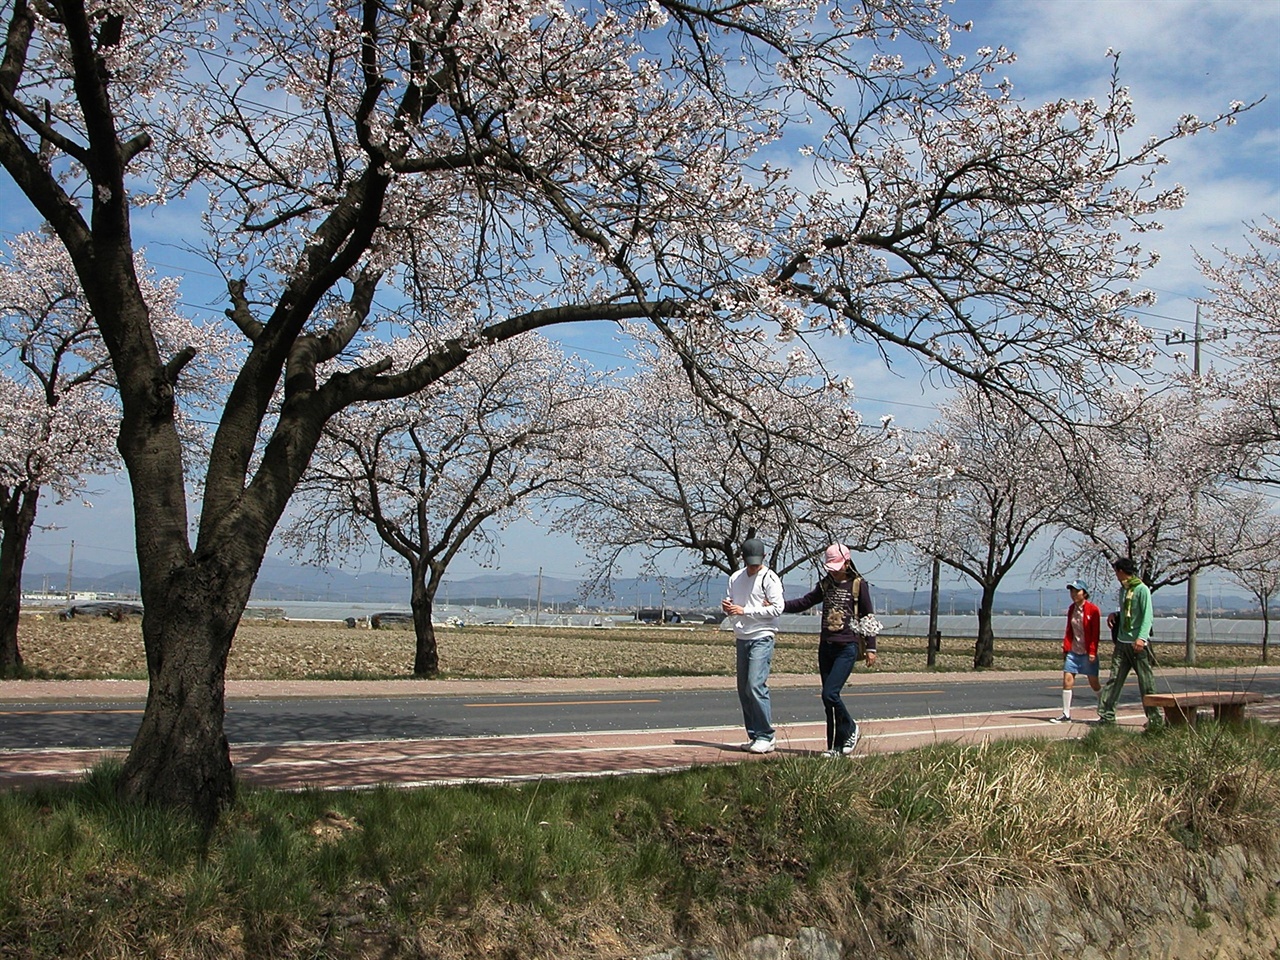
755, 657
835, 663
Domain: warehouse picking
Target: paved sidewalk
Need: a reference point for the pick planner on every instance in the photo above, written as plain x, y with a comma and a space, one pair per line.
364, 764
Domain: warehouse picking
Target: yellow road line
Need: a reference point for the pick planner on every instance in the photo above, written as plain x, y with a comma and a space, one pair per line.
557, 703
58, 713
880, 693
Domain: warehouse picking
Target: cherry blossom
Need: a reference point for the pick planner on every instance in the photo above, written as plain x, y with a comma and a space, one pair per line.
58, 410
1244, 304
783, 452
981, 498
440, 473
1142, 483
1256, 563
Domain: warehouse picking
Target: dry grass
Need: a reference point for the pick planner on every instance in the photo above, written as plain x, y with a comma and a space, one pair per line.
92, 647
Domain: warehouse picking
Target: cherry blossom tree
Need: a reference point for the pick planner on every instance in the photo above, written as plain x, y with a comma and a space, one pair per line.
784, 452
1140, 484
988, 497
42, 434
1256, 563
372, 169
58, 408
1245, 301
432, 475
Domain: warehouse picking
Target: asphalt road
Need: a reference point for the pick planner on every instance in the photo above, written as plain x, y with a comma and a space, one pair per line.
106, 724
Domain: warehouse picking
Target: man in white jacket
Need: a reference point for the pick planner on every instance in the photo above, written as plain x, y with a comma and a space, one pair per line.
754, 601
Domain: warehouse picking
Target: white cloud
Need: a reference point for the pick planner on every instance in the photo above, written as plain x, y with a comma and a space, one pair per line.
1176, 57
1221, 40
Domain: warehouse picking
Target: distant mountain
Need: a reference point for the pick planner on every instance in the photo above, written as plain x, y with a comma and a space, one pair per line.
281, 580
40, 574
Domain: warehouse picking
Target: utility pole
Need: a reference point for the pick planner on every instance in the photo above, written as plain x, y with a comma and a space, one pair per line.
71, 559
935, 635
934, 640
1194, 577
537, 610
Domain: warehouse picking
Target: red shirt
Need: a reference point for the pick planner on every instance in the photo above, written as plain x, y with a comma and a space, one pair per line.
1092, 618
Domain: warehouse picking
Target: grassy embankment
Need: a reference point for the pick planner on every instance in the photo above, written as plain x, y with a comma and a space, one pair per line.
619, 867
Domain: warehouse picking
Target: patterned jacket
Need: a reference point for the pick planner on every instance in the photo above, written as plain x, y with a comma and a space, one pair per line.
841, 609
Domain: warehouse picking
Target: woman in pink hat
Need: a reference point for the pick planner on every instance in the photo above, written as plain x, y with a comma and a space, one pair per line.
848, 633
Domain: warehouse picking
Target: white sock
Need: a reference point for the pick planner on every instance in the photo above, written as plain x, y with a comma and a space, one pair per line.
1066, 703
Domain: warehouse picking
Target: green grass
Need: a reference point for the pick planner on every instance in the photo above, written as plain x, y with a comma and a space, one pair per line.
615, 866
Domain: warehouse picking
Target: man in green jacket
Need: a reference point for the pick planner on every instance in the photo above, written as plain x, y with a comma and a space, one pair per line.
1132, 647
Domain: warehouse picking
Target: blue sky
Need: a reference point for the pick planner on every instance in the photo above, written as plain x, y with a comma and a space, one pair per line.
1176, 57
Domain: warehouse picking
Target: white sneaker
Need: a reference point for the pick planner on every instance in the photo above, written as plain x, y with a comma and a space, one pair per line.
831, 754
760, 746
851, 744
746, 747
1065, 718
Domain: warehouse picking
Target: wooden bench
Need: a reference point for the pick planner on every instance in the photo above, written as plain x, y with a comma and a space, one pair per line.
1228, 705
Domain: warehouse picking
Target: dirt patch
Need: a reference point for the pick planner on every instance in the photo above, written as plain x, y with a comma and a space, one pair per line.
287, 649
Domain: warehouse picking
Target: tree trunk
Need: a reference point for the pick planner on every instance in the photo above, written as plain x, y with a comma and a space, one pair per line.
17, 515
1266, 630
984, 649
426, 658
180, 756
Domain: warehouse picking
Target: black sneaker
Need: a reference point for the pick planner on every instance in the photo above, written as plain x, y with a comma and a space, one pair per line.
851, 743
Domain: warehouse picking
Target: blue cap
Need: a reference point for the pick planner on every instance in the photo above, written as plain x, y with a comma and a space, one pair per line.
1078, 585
